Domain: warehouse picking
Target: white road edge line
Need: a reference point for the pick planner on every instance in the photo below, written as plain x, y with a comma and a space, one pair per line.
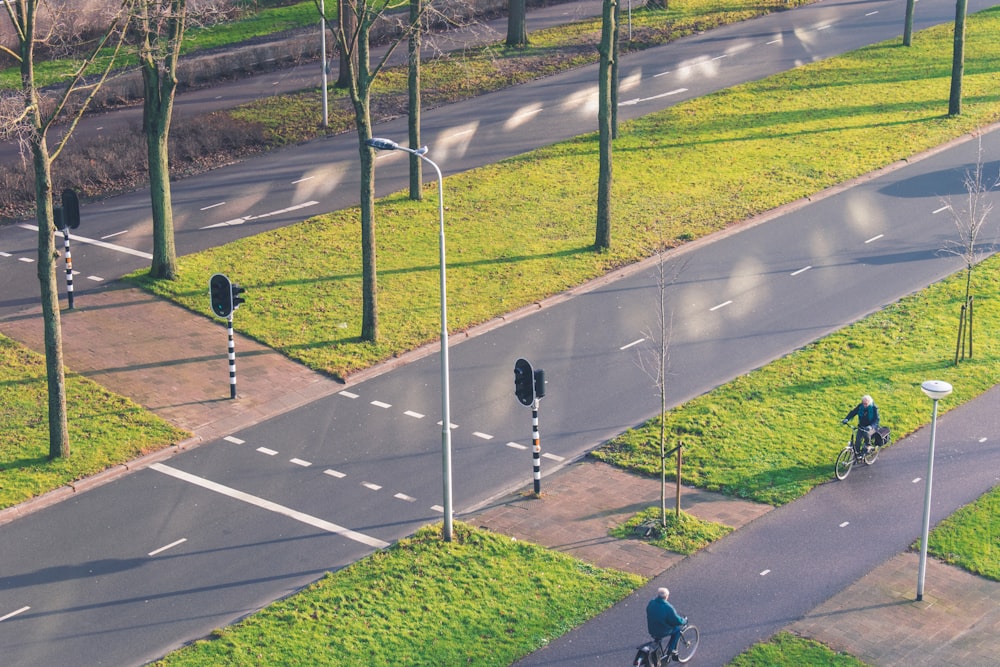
271, 507
633, 343
875, 238
14, 613
169, 546
102, 244
721, 305
943, 208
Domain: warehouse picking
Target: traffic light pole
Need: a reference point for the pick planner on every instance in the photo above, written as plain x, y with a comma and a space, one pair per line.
232, 358
69, 268
537, 448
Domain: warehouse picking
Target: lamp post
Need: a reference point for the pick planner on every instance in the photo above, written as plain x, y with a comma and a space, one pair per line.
389, 145
936, 390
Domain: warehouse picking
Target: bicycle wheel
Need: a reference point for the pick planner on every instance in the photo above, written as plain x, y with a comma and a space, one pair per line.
871, 455
845, 461
687, 644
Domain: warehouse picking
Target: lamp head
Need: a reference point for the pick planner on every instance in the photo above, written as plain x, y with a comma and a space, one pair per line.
382, 144
936, 389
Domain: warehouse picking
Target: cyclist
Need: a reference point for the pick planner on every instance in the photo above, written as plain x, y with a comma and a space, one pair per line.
662, 620
867, 414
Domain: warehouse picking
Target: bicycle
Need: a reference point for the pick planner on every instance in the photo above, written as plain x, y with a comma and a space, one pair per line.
654, 654
849, 457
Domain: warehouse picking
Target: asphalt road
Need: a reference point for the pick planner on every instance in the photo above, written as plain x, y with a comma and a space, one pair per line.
128, 571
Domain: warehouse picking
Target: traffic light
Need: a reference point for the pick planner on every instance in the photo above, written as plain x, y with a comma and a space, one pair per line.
539, 383
237, 299
222, 295
524, 382
67, 216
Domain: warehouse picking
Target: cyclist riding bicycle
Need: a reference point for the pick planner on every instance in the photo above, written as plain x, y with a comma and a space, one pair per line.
662, 620
867, 414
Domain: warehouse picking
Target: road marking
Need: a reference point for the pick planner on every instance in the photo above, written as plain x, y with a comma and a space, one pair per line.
720, 57
915, 480
265, 450
371, 485
415, 415
721, 305
111, 236
802, 270
14, 613
334, 473
872, 13
875, 238
303, 180
451, 426
96, 279
514, 445
210, 206
437, 508
380, 404
248, 218
233, 439
271, 507
403, 496
26, 259
824, 27
348, 394
554, 457
169, 546
300, 462
845, 524
943, 208
4, 254
632, 344
654, 97
101, 244
765, 573
982, 439
773, 41
484, 436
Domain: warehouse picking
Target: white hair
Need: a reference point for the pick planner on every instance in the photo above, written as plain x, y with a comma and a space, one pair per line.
867, 398
663, 593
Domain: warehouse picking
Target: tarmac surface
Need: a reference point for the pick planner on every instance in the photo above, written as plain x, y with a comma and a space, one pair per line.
175, 363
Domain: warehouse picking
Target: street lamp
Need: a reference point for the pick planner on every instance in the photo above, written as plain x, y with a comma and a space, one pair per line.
389, 145
936, 390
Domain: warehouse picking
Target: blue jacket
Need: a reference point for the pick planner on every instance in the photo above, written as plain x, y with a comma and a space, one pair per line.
661, 618
866, 416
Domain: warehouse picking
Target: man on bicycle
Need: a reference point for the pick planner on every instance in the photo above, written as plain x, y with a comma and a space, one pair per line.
662, 620
867, 413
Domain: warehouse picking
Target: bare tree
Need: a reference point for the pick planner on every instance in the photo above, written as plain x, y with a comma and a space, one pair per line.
38, 119
970, 221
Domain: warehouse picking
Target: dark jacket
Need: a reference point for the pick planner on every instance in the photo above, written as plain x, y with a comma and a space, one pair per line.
661, 618
866, 416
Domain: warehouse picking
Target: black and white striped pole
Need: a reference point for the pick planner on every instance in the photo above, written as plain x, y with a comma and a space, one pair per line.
67, 217
529, 387
225, 297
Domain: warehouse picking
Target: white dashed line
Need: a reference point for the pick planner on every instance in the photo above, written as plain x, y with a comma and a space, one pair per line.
943, 208
111, 236
632, 344
96, 279
845, 524
773, 41
720, 57
554, 457
334, 473
348, 394
484, 436
721, 305
265, 450
915, 480
515, 445
765, 573
371, 485
437, 508
403, 496
303, 180
300, 462
4, 254
451, 426
872, 13
415, 415
802, 270
233, 439
271, 507
823, 27
210, 206
14, 613
248, 218
169, 546
25, 259
380, 404
875, 238
982, 439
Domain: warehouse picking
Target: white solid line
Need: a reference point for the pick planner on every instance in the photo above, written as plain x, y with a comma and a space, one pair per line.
205, 208
484, 436
875, 238
303, 180
773, 41
403, 496
265, 450
721, 305
380, 404
415, 415
334, 473
102, 244
633, 343
765, 573
554, 457
271, 507
109, 236
720, 57
14, 613
943, 208
802, 270
233, 439
514, 445
845, 524
169, 546
300, 462
348, 394
661, 74
248, 218
371, 485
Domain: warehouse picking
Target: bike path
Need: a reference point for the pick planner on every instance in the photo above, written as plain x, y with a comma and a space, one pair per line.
800, 566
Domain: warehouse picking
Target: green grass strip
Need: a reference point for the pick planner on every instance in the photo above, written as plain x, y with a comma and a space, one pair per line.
787, 650
970, 538
482, 599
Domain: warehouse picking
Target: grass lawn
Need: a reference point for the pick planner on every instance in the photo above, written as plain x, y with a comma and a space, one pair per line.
482, 599
970, 538
787, 650
683, 534
104, 429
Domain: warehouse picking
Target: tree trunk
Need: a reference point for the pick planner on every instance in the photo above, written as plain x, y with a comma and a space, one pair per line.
157, 108
958, 60
413, 88
347, 21
602, 237
908, 23
615, 46
517, 23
